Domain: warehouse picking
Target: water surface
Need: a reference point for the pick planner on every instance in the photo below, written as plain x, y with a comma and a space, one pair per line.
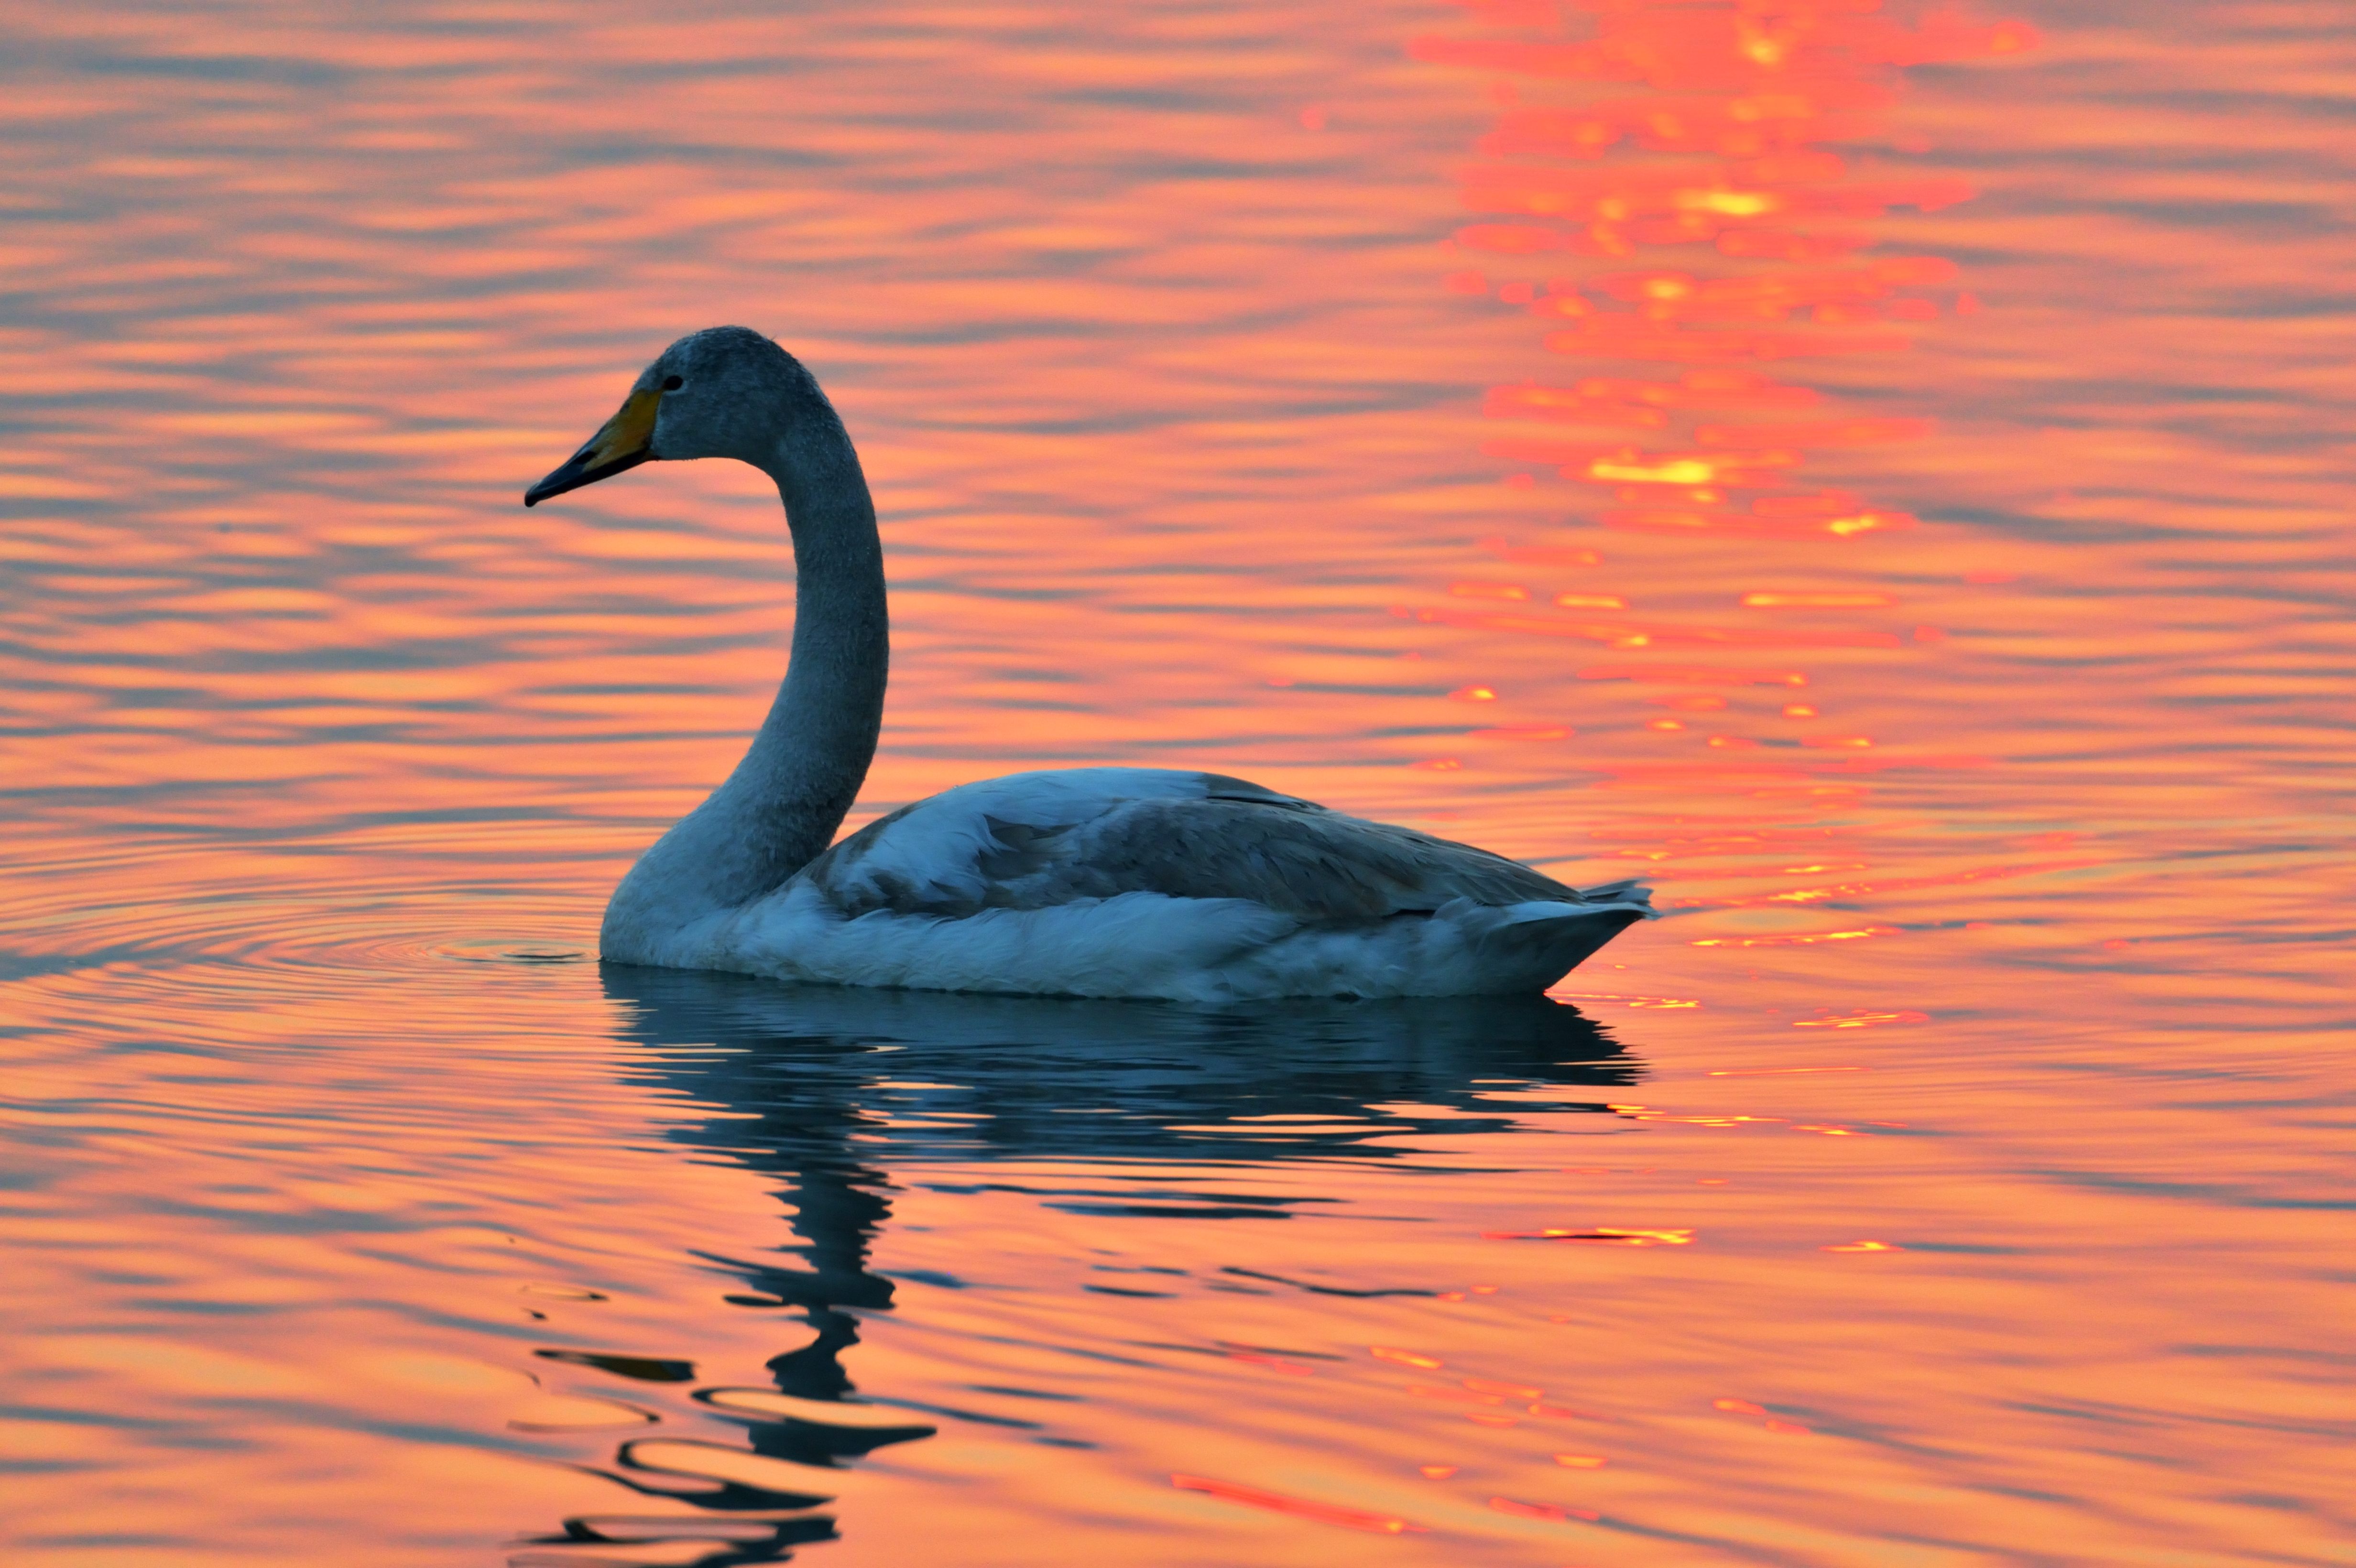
1880, 474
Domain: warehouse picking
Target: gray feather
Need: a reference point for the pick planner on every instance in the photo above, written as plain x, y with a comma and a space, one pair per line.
1236, 841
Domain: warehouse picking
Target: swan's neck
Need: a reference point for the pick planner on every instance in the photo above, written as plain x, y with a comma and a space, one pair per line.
782, 805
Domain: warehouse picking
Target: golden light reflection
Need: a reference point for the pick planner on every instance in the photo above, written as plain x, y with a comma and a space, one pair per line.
1277, 1502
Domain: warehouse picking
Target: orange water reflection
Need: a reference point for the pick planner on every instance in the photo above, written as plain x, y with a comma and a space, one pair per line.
1875, 472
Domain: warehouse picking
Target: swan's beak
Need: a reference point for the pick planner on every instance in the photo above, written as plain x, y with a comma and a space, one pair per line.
627, 441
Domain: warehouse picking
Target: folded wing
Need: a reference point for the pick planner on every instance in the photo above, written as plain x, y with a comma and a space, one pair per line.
1035, 841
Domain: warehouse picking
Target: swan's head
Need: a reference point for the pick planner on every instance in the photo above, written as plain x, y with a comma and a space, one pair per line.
726, 392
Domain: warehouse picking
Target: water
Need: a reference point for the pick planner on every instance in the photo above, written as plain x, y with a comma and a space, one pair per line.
1909, 524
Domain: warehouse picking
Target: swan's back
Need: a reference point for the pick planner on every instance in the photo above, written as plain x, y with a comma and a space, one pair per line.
1133, 881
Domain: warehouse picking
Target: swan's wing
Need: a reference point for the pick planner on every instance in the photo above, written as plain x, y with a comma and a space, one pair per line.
1039, 840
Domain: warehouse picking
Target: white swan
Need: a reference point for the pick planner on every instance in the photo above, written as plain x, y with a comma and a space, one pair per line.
1089, 881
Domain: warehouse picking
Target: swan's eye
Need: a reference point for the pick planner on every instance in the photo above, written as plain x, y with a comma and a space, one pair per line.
672, 383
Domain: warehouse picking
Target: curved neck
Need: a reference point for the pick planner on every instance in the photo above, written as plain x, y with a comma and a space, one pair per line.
785, 800
805, 766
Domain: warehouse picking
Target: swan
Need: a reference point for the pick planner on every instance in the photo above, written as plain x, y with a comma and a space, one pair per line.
1112, 881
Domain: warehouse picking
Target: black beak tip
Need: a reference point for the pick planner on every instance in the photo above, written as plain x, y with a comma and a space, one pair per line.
571, 475
576, 472
556, 484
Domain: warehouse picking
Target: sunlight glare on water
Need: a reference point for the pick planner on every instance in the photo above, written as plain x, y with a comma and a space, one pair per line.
1879, 473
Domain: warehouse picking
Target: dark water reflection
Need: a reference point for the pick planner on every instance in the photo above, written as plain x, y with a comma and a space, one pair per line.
807, 1079
1073, 1078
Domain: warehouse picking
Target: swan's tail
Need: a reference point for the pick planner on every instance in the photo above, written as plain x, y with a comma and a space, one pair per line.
1527, 948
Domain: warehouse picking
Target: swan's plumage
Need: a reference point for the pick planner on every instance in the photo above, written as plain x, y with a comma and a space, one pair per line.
1032, 842
1145, 882
1090, 882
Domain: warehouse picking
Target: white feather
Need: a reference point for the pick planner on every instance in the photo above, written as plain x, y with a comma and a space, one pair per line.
1135, 943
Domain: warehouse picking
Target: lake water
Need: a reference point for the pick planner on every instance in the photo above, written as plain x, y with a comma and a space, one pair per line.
1881, 475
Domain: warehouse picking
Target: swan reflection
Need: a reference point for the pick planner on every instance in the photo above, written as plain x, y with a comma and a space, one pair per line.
828, 1089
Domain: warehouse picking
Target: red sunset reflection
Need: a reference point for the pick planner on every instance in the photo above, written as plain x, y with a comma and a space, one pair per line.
1872, 470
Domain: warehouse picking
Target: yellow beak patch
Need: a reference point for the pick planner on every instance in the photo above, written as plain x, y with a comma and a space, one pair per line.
625, 441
